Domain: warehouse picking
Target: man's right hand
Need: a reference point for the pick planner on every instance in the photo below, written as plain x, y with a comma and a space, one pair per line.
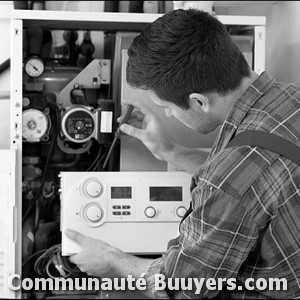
145, 126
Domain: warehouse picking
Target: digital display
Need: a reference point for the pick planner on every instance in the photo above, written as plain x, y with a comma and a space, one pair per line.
165, 193
121, 192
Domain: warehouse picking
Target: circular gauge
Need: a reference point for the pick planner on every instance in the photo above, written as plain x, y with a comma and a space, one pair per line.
34, 66
35, 125
78, 125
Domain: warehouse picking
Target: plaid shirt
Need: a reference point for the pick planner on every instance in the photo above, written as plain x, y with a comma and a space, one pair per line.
245, 221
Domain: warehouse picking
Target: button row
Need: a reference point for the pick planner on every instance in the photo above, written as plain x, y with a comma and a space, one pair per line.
123, 207
118, 213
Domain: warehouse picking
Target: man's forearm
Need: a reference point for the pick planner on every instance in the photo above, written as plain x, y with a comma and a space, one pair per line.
100, 259
126, 264
187, 159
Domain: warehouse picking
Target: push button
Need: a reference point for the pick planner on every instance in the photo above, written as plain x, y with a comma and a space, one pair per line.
116, 207
180, 211
116, 213
126, 213
150, 212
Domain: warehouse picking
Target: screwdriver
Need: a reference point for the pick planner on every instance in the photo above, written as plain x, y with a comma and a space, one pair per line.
118, 133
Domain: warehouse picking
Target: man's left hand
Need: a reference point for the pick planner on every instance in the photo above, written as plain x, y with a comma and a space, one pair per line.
96, 258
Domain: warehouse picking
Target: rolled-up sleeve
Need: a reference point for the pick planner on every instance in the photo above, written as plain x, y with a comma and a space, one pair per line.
214, 241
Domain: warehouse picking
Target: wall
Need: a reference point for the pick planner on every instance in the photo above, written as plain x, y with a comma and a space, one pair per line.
284, 48
282, 33
249, 8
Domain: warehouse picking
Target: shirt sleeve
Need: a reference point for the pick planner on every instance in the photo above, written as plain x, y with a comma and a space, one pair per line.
214, 241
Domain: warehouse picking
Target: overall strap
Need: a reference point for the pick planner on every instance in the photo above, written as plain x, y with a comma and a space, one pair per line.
267, 141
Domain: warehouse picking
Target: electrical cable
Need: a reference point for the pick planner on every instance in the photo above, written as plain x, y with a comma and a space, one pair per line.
32, 256
96, 159
118, 133
50, 194
47, 270
42, 261
109, 91
100, 160
66, 263
53, 256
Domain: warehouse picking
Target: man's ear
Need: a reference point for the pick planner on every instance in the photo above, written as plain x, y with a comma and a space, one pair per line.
199, 102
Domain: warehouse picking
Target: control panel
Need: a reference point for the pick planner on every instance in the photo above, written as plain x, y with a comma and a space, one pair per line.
138, 212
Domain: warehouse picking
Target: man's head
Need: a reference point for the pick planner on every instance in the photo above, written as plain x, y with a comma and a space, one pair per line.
184, 53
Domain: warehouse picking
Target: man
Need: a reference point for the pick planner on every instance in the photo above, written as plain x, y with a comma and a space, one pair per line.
244, 220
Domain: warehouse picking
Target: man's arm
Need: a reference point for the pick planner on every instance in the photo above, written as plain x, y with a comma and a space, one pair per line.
184, 158
100, 259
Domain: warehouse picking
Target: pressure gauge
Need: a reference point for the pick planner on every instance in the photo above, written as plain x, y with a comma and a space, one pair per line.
34, 66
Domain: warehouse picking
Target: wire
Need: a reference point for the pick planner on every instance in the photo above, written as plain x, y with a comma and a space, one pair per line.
118, 133
110, 152
31, 257
50, 194
47, 270
96, 159
42, 261
100, 160
53, 256
71, 270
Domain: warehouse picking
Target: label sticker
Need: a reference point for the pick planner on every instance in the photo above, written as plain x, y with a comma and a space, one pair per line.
106, 121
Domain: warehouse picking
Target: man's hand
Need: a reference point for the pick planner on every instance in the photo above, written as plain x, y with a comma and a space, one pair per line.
99, 259
145, 126
96, 258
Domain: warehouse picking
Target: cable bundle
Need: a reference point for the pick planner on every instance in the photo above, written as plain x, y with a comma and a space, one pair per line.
52, 257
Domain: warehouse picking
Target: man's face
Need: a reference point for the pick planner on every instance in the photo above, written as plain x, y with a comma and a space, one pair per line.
194, 119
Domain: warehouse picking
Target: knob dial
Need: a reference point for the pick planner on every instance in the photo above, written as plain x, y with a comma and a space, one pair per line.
93, 213
180, 211
150, 212
93, 188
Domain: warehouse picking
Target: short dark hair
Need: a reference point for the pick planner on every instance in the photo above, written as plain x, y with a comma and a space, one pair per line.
185, 51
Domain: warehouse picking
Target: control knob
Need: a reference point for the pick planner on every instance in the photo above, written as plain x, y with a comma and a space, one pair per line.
93, 213
93, 188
